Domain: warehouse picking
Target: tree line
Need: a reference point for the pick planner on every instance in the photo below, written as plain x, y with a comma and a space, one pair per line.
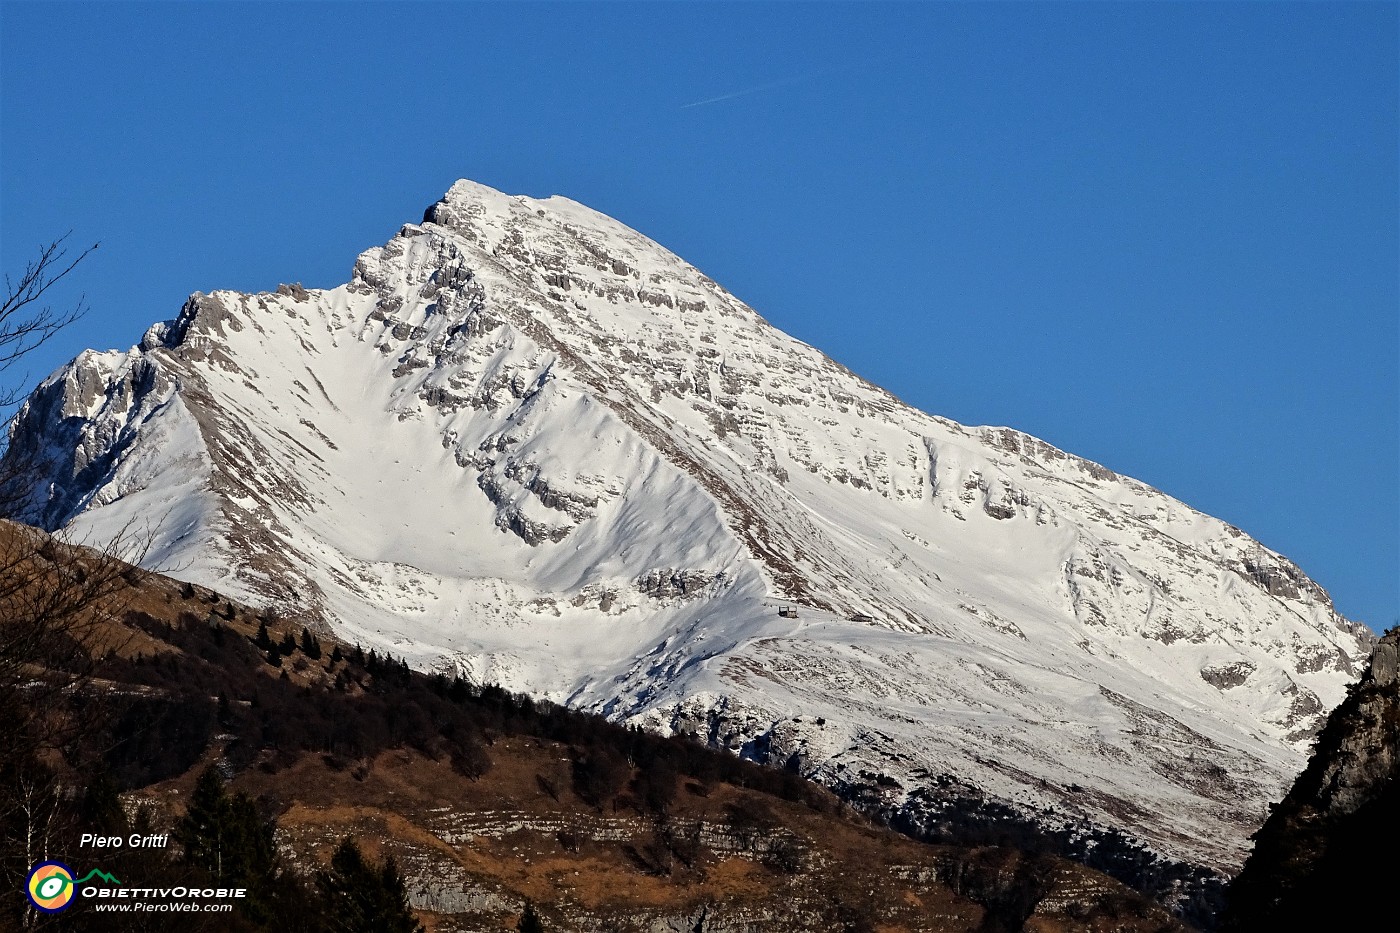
373, 702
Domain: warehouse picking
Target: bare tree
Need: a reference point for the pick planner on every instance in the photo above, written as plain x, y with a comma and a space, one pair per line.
60, 606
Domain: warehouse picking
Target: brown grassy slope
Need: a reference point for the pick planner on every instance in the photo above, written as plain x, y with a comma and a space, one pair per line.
478, 850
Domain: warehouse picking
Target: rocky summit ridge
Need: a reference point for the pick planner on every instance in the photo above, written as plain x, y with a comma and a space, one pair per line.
527, 443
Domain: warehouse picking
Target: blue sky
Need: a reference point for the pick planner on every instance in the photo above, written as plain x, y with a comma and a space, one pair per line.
1160, 236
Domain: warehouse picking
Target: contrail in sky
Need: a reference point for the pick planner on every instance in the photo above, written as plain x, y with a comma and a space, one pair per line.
757, 89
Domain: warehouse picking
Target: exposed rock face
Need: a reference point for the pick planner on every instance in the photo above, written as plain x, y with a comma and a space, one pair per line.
527, 443
1327, 857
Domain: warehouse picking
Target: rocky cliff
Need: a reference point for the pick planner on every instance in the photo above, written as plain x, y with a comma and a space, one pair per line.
1330, 851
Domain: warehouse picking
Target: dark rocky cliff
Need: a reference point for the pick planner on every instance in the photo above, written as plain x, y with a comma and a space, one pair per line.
1334, 841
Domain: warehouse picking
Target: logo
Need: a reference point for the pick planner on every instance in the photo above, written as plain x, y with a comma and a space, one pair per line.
50, 886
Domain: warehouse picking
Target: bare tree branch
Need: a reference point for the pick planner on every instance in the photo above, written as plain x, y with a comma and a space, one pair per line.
25, 322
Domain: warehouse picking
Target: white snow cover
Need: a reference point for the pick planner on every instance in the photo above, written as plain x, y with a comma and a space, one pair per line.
527, 443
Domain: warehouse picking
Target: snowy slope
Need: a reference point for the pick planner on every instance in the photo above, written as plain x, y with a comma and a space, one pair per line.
526, 442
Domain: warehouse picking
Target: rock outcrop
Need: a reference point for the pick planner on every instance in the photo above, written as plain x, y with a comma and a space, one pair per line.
1328, 852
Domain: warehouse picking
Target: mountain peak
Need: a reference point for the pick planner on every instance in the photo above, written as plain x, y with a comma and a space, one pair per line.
466, 198
527, 443
470, 207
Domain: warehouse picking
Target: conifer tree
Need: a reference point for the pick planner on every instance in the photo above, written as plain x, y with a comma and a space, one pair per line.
362, 899
530, 920
100, 809
348, 889
226, 837
309, 645
225, 710
396, 915
204, 831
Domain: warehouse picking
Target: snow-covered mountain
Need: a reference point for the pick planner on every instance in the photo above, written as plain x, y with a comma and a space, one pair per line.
528, 443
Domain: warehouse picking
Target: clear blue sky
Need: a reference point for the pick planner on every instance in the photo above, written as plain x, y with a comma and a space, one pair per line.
1160, 236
